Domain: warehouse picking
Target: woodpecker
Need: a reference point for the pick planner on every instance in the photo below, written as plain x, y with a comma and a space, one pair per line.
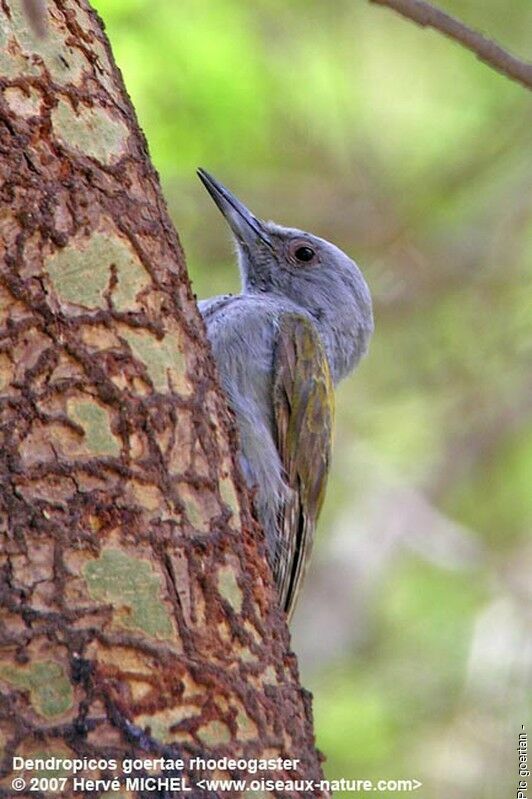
301, 322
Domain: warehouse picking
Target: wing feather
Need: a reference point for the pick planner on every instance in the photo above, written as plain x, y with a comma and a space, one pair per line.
303, 402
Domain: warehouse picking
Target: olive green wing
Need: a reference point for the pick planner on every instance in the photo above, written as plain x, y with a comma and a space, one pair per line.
303, 402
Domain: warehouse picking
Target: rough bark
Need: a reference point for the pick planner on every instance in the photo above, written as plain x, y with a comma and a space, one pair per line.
138, 616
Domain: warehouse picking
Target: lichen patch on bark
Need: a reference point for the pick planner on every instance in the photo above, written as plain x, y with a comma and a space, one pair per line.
6, 371
229, 496
229, 588
13, 61
162, 358
49, 688
135, 590
247, 729
84, 271
94, 132
26, 50
214, 733
98, 438
199, 509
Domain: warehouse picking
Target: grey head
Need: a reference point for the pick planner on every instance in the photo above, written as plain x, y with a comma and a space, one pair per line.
313, 274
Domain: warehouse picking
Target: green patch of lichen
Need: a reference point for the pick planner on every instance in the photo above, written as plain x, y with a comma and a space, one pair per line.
269, 676
81, 272
158, 727
163, 358
246, 655
229, 496
229, 588
133, 588
50, 691
11, 65
92, 131
196, 513
214, 733
64, 63
94, 420
247, 729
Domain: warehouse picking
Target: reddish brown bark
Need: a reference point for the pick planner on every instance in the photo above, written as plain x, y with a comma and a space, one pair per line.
138, 615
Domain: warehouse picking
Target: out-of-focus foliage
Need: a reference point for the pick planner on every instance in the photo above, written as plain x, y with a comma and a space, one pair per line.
347, 120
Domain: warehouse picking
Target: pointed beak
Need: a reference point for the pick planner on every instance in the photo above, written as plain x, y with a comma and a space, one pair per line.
247, 228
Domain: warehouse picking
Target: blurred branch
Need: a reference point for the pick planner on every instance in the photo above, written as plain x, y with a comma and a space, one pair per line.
486, 50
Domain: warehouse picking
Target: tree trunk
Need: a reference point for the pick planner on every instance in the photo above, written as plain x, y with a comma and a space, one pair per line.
138, 616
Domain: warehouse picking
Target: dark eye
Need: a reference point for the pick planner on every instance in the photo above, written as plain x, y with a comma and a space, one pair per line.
305, 254
300, 251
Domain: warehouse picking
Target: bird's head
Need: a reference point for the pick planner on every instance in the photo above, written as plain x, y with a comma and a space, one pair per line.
311, 272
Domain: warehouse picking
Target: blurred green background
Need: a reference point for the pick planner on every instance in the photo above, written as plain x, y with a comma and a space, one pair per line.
346, 120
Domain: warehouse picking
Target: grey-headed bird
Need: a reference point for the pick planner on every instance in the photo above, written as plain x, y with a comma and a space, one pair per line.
301, 323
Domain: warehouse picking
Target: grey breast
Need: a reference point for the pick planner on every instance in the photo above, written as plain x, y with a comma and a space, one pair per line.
242, 330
